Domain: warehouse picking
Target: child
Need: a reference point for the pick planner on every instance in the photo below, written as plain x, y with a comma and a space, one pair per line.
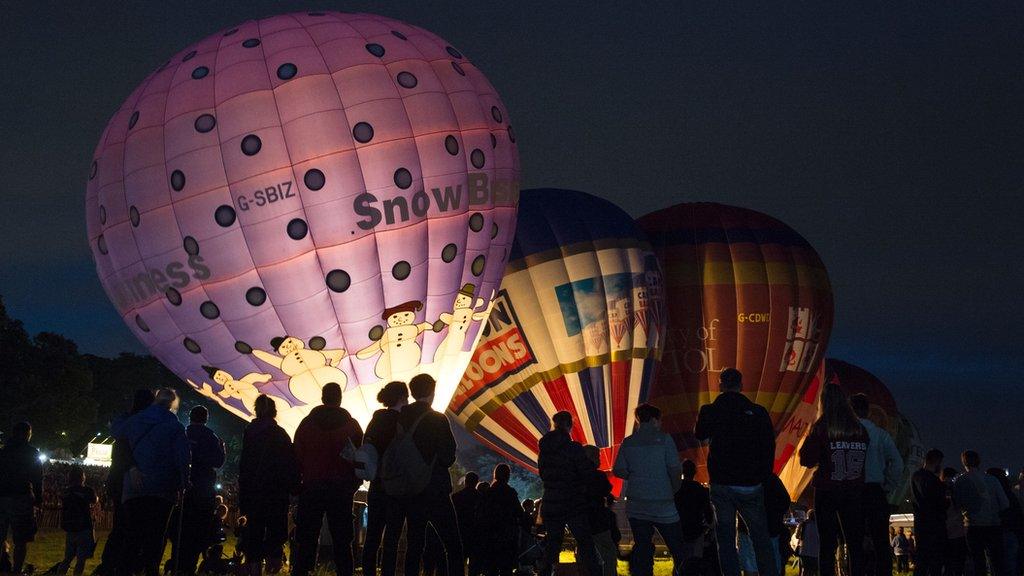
76, 520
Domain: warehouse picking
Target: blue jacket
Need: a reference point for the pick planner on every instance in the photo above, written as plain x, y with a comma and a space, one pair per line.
208, 454
649, 464
159, 450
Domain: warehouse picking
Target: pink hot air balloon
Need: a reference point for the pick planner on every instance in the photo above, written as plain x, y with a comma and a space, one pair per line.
304, 199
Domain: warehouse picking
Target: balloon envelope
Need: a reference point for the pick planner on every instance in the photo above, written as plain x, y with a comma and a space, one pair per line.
577, 326
743, 290
305, 199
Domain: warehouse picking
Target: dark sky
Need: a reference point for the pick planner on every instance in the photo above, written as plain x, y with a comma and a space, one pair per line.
891, 135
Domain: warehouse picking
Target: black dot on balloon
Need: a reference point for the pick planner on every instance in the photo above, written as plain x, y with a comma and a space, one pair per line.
458, 68
101, 244
230, 32
297, 229
451, 144
225, 215
191, 246
398, 35
376, 333
375, 49
192, 346
251, 145
103, 215
287, 71
205, 123
476, 222
511, 135
406, 80
401, 270
449, 252
251, 43
496, 114
189, 56
173, 296
494, 230
141, 323
242, 347
200, 72
477, 158
256, 296
362, 132
478, 265
494, 141
403, 178
133, 120
133, 215
338, 280
92, 170
209, 310
455, 53
317, 343
177, 180
314, 179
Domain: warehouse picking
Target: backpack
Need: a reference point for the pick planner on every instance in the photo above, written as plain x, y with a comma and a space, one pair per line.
366, 462
403, 471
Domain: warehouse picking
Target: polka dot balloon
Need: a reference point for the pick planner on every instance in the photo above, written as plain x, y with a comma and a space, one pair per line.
305, 199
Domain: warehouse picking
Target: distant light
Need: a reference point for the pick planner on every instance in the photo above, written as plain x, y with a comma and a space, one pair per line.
63, 433
219, 486
43, 458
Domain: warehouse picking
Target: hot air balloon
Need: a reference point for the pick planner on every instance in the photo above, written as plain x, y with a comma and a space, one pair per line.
911, 449
745, 291
577, 325
309, 198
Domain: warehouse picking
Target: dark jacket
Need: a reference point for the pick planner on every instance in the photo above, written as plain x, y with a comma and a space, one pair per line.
120, 461
598, 489
693, 501
159, 449
21, 472
435, 442
319, 441
564, 469
76, 508
208, 455
267, 469
741, 438
379, 433
821, 452
466, 503
776, 504
928, 495
499, 515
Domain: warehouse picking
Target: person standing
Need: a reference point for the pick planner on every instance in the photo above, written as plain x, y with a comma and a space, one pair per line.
954, 558
776, 504
836, 447
740, 458
153, 482
379, 433
197, 507
901, 549
267, 474
21, 492
498, 519
1012, 521
980, 499
601, 519
649, 464
76, 521
466, 503
882, 474
564, 469
693, 502
928, 496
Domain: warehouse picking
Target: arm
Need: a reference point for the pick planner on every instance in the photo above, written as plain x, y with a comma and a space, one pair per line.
810, 452
672, 464
181, 454
892, 464
446, 446
272, 359
423, 327
445, 317
334, 356
703, 430
369, 351
621, 466
255, 377
37, 482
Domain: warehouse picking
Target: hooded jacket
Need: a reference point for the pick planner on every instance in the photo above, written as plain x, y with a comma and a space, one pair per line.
267, 469
159, 449
741, 440
649, 464
208, 456
319, 441
563, 469
21, 472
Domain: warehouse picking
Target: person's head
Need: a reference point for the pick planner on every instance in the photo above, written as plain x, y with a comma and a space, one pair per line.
562, 421
422, 388
394, 395
837, 414
330, 395
285, 345
21, 431
483, 487
167, 398
529, 506
933, 460
731, 380
198, 415
970, 459
502, 473
265, 407
861, 406
593, 453
142, 399
648, 414
76, 476
902, 530
689, 469
948, 474
471, 479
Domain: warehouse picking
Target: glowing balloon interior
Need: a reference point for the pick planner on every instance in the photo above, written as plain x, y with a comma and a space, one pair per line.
304, 199
577, 325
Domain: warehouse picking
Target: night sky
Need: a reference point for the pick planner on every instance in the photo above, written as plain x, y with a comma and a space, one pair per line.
891, 137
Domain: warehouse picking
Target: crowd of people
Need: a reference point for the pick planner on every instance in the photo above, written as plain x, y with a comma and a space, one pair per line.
162, 489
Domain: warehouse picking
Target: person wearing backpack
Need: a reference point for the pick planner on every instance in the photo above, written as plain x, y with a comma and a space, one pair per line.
414, 471
267, 474
329, 481
198, 505
379, 434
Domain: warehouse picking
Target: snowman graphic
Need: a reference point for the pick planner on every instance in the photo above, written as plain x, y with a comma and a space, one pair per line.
397, 346
308, 370
243, 388
458, 320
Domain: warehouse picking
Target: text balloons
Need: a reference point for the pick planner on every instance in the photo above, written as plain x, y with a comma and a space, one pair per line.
303, 199
743, 290
577, 325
